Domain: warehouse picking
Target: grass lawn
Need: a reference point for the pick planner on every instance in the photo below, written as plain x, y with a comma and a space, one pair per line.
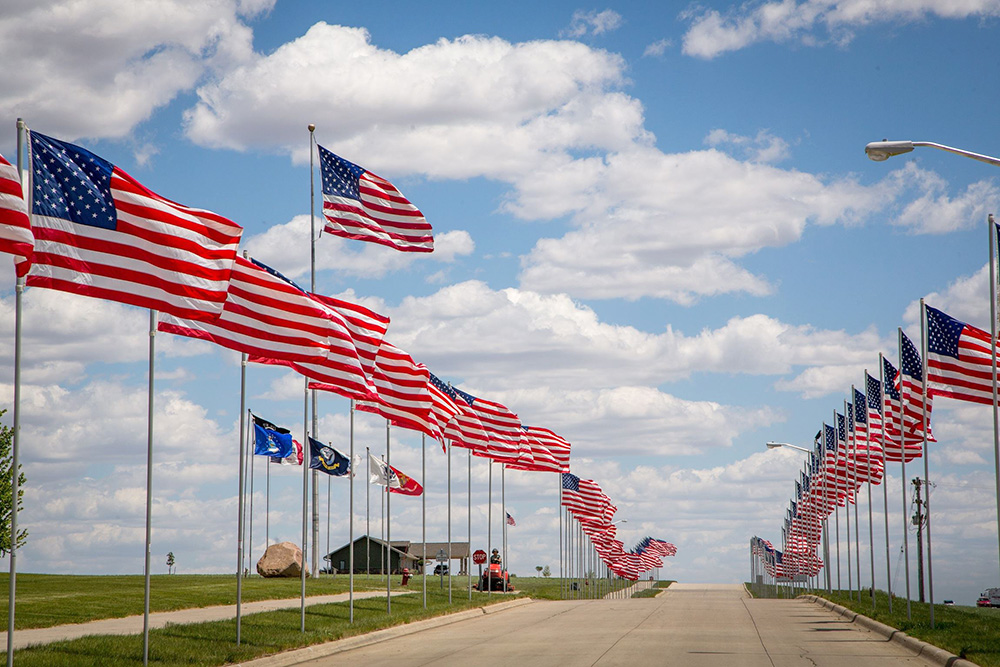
968, 632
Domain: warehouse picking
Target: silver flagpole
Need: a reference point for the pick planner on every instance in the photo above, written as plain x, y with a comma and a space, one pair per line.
468, 557
489, 526
388, 525
328, 478
885, 480
993, 353
503, 518
423, 513
267, 503
559, 511
836, 502
871, 525
315, 424
239, 518
847, 501
250, 512
826, 509
149, 484
368, 514
449, 525
350, 577
305, 498
857, 496
902, 457
927, 499
15, 463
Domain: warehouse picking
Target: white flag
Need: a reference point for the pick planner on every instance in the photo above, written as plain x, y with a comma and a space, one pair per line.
381, 473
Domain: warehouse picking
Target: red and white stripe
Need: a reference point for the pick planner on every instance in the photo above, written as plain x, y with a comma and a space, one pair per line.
403, 397
15, 225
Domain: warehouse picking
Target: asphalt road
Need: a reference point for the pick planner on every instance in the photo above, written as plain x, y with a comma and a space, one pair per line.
694, 625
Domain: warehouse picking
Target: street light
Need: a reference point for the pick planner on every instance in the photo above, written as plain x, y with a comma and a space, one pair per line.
880, 151
619, 521
775, 445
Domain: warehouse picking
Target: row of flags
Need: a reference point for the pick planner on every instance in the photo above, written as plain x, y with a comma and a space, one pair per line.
887, 422
83, 225
593, 510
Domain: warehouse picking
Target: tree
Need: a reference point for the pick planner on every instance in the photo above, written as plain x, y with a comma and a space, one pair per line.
6, 501
170, 561
538, 569
546, 572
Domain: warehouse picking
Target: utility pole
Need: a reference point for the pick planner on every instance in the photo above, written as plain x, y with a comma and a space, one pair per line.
918, 521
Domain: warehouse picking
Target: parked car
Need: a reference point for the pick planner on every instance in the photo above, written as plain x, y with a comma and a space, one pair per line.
983, 602
992, 597
949, 603
440, 569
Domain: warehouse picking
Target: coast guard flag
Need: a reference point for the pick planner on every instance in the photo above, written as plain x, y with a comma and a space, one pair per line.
100, 233
362, 206
271, 440
328, 459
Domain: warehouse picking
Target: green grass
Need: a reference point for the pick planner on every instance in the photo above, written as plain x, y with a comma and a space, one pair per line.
653, 591
968, 632
262, 634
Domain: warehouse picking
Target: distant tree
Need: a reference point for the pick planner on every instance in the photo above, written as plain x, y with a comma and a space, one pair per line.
6, 500
546, 572
170, 561
538, 569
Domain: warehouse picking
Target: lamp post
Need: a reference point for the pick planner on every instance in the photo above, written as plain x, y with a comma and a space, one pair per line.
776, 445
879, 151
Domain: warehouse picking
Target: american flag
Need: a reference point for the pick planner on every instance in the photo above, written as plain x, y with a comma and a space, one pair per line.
360, 205
578, 503
891, 415
367, 328
860, 417
502, 427
549, 452
403, 397
510, 519
15, 227
454, 419
909, 381
959, 359
873, 389
100, 233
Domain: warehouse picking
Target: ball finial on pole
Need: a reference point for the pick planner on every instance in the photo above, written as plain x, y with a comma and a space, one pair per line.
312, 127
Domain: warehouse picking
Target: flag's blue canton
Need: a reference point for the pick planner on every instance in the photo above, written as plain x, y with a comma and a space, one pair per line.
277, 274
943, 332
830, 437
71, 183
340, 177
798, 491
806, 481
874, 389
468, 398
861, 416
910, 359
570, 481
850, 413
816, 458
445, 388
841, 430
889, 373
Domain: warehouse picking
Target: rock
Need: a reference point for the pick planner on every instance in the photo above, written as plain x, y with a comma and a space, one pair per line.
281, 560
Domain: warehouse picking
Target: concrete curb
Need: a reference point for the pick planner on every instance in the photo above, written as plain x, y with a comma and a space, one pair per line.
298, 656
921, 648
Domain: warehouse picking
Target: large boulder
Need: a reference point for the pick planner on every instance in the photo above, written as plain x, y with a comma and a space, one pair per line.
281, 560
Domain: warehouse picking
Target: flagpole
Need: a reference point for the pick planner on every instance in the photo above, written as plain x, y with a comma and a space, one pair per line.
871, 525
315, 426
423, 513
836, 501
368, 514
267, 504
848, 476
149, 484
489, 527
857, 521
885, 479
350, 576
15, 464
449, 525
503, 526
902, 458
388, 524
826, 510
239, 516
927, 500
250, 513
559, 511
993, 337
305, 499
468, 558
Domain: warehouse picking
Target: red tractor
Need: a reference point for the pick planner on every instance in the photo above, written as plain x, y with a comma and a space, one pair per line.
495, 578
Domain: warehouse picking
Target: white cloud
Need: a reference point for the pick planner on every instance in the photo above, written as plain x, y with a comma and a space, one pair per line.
764, 147
713, 33
967, 298
657, 48
97, 68
592, 22
933, 211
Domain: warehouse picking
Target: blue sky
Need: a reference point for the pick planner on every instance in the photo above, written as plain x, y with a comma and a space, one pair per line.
657, 234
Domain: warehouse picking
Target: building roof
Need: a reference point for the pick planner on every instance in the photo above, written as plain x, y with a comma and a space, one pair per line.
458, 549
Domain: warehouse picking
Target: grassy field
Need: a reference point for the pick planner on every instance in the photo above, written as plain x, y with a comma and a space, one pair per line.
968, 632
47, 600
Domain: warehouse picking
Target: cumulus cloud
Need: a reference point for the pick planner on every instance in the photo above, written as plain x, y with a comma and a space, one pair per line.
763, 147
933, 211
712, 33
657, 48
97, 68
593, 23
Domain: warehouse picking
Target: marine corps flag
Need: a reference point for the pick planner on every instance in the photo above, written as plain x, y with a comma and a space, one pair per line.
328, 459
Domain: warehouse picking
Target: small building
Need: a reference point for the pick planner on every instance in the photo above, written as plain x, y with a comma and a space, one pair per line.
370, 555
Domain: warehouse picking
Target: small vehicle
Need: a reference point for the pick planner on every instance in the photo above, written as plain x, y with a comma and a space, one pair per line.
440, 569
983, 602
949, 603
495, 578
992, 597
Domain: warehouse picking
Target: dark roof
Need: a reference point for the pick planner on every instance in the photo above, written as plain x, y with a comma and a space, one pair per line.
458, 549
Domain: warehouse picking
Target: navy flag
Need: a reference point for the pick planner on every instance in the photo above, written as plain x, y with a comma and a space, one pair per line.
328, 459
271, 440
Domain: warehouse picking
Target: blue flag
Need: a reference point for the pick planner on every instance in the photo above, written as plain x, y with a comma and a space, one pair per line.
271, 440
328, 459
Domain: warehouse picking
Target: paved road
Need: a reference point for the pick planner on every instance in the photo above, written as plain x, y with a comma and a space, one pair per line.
694, 625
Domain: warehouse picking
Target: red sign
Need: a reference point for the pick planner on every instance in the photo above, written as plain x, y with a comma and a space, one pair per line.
479, 557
